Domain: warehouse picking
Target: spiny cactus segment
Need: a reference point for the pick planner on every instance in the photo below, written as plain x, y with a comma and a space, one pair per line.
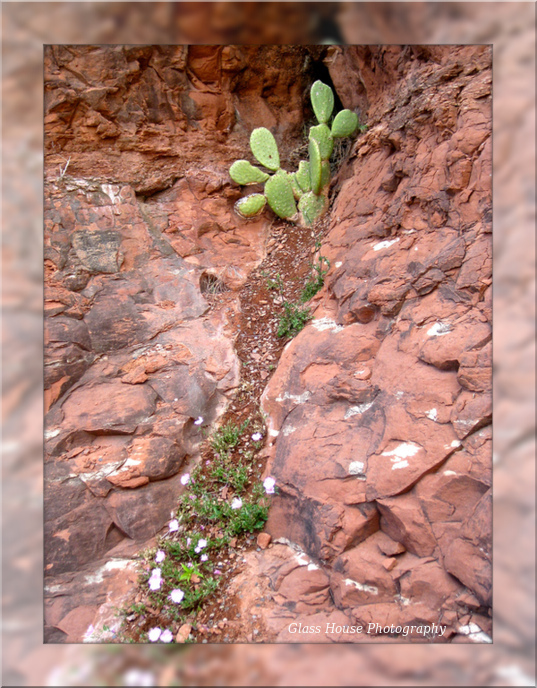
265, 148
322, 100
310, 184
243, 172
315, 165
345, 123
312, 206
280, 197
321, 133
250, 206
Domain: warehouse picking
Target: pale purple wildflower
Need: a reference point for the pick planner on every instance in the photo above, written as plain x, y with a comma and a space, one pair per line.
236, 503
192, 497
154, 634
257, 436
160, 556
198, 421
188, 541
155, 581
173, 526
185, 479
268, 484
217, 572
204, 557
177, 595
201, 544
167, 636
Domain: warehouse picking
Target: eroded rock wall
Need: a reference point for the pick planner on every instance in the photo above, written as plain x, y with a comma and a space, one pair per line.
379, 412
139, 228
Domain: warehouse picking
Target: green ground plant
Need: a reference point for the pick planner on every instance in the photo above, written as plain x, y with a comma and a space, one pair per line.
316, 282
293, 319
183, 571
302, 196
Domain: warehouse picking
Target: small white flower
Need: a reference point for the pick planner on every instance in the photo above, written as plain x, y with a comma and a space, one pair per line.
198, 421
154, 634
177, 595
173, 525
167, 636
160, 556
268, 484
204, 557
185, 479
236, 503
201, 544
257, 436
155, 583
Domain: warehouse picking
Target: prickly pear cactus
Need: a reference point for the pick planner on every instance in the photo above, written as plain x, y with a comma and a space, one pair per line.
310, 184
250, 206
279, 193
243, 172
265, 148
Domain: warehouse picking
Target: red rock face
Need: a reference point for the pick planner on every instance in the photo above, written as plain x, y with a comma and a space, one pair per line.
132, 355
380, 409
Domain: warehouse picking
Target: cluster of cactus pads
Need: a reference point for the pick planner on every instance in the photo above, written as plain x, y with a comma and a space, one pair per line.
301, 196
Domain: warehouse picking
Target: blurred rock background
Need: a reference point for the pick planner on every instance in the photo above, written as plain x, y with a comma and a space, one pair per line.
509, 27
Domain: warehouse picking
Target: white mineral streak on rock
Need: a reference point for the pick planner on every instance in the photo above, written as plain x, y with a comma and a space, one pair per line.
450, 473
112, 193
439, 329
432, 414
104, 471
326, 324
399, 464
384, 244
402, 600
98, 576
356, 468
474, 633
355, 410
297, 398
402, 452
362, 586
288, 430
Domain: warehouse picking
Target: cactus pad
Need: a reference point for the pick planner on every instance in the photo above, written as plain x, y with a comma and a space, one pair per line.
312, 207
251, 205
264, 148
321, 133
344, 124
244, 173
303, 176
279, 193
322, 100
325, 174
315, 166
297, 190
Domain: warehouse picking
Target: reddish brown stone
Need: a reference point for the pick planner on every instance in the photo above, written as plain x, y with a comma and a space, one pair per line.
263, 540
